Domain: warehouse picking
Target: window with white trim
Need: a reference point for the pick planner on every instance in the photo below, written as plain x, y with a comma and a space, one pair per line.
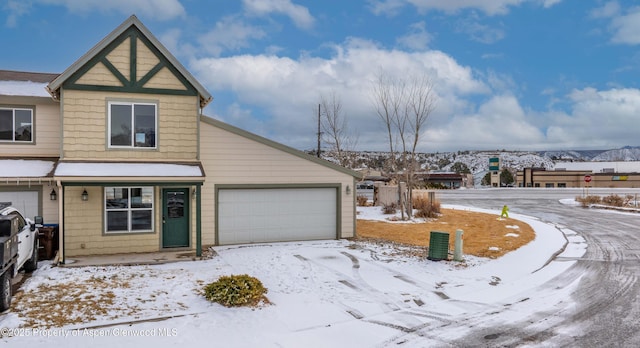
132, 125
16, 125
128, 209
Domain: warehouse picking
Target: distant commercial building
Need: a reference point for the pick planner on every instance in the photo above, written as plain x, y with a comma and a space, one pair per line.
582, 174
446, 180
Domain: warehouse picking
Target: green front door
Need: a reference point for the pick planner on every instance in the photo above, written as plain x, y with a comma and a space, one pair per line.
175, 218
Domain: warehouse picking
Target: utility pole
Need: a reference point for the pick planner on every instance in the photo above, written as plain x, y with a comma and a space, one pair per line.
319, 133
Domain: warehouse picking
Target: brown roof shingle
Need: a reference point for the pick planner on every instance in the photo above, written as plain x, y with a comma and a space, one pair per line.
9, 75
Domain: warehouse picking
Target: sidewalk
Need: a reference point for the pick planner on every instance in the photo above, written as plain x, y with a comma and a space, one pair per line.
131, 259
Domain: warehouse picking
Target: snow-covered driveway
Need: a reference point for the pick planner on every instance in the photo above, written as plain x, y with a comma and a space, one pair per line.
324, 293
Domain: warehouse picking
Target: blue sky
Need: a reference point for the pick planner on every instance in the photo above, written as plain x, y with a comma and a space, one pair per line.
508, 74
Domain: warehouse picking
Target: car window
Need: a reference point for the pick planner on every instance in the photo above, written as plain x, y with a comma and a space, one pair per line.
21, 222
5, 228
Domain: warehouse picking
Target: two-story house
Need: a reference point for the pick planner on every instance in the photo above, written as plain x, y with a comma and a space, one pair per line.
115, 150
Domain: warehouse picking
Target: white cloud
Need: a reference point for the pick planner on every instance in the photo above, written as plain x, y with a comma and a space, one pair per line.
500, 81
157, 9
173, 41
299, 14
627, 27
417, 39
490, 7
386, 7
15, 9
492, 56
498, 123
480, 32
624, 25
550, 3
598, 119
609, 9
287, 89
230, 33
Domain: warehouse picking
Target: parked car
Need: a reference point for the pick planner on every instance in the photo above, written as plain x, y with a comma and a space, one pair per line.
18, 249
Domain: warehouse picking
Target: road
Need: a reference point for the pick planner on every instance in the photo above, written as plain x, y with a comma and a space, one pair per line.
605, 306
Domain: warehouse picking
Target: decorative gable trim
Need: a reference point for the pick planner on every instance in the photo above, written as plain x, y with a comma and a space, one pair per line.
136, 32
131, 84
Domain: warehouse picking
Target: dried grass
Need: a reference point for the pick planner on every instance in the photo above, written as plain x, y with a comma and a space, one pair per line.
95, 298
481, 232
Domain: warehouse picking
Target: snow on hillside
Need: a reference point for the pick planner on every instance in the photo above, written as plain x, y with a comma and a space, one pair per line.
624, 154
478, 161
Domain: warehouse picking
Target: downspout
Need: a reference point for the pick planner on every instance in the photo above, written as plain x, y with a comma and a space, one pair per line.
198, 221
60, 223
354, 200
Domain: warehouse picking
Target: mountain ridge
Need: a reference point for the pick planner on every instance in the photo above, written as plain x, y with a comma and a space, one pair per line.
478, 161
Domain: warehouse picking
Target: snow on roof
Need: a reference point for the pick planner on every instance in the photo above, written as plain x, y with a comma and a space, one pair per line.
24, 88
128, 169
25, 168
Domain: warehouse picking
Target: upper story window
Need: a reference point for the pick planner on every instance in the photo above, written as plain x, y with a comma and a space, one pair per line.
132, 125
16, 125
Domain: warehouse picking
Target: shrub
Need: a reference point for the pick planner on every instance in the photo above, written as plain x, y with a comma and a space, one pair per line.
425, 208
362, 201
390, 208
235, 290
613, 200
629, 200
588, 200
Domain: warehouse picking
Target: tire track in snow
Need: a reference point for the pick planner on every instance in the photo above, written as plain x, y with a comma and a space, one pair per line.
351, 310
411, 317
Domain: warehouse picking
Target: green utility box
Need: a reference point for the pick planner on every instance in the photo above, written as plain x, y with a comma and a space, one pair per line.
438, 246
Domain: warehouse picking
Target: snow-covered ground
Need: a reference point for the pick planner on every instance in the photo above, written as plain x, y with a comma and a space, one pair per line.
322, 293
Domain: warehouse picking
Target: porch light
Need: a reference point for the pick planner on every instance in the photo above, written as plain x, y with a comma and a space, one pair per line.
348, 190
85, 195
53, 195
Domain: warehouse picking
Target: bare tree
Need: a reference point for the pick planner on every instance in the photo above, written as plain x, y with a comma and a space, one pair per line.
335, 129
404, 105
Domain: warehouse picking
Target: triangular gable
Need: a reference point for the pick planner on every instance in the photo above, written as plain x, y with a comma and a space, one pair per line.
130, 60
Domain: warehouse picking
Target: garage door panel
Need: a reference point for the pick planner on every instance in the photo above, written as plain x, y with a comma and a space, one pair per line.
25, 201
271, 215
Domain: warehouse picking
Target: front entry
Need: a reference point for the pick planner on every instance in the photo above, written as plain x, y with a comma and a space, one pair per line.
175, 218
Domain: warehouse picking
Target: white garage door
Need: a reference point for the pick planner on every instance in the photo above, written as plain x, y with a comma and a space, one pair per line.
25, 201
276, 215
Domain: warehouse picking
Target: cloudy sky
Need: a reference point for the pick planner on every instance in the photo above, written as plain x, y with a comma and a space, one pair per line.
508, 74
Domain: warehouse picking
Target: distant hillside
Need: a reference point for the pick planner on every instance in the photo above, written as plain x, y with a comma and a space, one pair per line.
478, 161
573, 155
625, 154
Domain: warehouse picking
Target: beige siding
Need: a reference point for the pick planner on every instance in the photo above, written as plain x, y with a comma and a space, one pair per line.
84, 226
49, 208
233, 159
47, 128
84, 222
165, 79
120, 57
85, 127
99, 75
145, 60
